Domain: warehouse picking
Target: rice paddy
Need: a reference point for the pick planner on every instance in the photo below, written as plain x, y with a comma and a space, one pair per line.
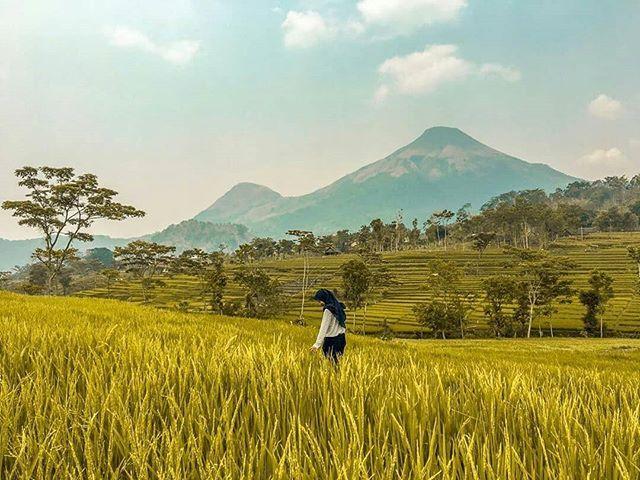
101, 389
607, 252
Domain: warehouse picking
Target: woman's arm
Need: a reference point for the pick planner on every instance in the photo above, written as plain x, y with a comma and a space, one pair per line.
324, 326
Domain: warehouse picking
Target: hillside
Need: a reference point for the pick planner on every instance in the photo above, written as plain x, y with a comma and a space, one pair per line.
443, 168
104, 389
607, 252
187, 234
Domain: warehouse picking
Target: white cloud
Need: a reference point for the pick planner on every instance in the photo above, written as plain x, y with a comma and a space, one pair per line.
605, 161
508, 74
603, 155
305, 29
423, 72
605, 107
381, 94
179, 52
409, 14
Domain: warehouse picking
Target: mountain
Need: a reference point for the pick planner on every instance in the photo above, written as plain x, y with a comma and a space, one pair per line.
205, 235
185, 235
443, 168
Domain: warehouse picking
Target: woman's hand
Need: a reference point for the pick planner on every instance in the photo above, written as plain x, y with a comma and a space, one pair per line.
314, 348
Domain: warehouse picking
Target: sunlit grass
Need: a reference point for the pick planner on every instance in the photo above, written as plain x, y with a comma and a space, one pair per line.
103, 389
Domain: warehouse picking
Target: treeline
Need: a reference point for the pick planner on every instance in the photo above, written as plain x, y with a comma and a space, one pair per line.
523, 219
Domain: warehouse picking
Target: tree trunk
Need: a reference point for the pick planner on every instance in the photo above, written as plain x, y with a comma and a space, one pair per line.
304, 284
530, 320
364, 320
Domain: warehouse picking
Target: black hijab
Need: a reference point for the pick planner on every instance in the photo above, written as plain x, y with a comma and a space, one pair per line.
332, 304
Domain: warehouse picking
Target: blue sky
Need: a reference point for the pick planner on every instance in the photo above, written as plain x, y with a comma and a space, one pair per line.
173, 102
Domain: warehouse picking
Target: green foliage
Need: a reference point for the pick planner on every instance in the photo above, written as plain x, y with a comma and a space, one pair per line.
540, 282
595, 301
104, 256
447, 312
264, 297
4, 279
606, 252
499, 293
208, 268
62, 207
144, 260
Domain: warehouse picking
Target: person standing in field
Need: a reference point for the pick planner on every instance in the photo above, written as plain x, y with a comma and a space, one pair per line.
331, 337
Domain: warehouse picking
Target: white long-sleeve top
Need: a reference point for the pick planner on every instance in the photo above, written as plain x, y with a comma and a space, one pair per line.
328, 328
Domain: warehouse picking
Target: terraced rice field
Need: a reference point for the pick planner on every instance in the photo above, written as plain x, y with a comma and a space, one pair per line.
607, 252
100, 389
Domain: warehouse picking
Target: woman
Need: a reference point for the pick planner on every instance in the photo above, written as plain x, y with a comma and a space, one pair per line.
331, 337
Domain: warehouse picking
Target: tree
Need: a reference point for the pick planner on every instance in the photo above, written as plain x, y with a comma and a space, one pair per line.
63, 206
36, 283
4, 279
111, 276
208, 268
595, 300
540, 281
306, 244
145, 260
263, 295
446, 216
356, 278
379, 279
414, 234
449, 306
481, 242
103, 256
499, 291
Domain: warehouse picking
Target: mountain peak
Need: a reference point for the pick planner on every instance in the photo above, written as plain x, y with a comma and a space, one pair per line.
242, 198
440, 137
250, 187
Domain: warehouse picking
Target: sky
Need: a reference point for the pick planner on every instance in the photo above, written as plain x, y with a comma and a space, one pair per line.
172, 102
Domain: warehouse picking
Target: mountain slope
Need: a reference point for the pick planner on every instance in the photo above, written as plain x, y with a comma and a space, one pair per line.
443, 168
185, 235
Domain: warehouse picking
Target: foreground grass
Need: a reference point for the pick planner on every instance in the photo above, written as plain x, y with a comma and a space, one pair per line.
101, 389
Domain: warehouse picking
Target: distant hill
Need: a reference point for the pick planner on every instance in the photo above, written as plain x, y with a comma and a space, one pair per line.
205, 235
187, 234
443, 168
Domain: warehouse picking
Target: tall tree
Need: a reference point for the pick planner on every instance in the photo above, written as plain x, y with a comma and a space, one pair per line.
481, 242
306, 244
4, 279
356, 278
499, 292
449, 306
595, 300
378, 281
63, 206
263, 295
208, 268
145, 260
540, 282
446, 216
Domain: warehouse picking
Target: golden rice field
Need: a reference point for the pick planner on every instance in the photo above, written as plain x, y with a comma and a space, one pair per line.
101, 389
607, 252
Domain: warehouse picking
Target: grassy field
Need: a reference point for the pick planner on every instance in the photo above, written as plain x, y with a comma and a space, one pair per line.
102, 389
607, 252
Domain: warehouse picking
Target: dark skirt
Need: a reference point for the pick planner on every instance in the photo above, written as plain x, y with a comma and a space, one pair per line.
333, 347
